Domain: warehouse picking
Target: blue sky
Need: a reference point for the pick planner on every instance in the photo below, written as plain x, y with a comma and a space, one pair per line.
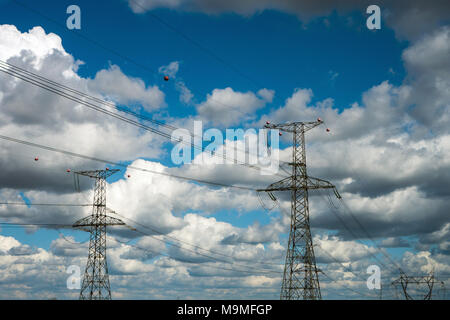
332, 54
272, 49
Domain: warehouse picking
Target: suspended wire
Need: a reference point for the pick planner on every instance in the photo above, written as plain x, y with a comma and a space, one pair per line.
202, 47
356, 238
345, 226
263, 205
134, 62
369, 236
202, 254
335, 291
84, 95
212, 55
62, 236
55, 88
57, 226
73, 154
146, 234
330, 255
61, 225
348, 269
345, 286
208, 265
153, 229
333, 258
253, 271
366, 233
45, 204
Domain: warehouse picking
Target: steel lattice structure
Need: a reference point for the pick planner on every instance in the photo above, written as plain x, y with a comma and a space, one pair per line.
428, 280
95, 284
300, 277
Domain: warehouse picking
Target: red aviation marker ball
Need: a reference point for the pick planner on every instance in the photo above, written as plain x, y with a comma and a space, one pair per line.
328, 129
68, 170
36, 159
166, 78
319, 120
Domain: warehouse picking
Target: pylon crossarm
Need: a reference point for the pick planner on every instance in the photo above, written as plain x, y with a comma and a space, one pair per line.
111, 221
98, 173
316, 183
282, 185
84, 224
92, 222
293, 126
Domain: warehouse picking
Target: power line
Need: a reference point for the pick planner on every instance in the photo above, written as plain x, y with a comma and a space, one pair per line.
253, 271
109, 104
35, 224
328, 253
55, 88
334, 211
45, 204
345, 286
152, 228
369, 236
183, 35
138, 64
202, 254
73, 154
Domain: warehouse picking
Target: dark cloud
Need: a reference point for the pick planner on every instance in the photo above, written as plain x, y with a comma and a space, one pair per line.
410, 19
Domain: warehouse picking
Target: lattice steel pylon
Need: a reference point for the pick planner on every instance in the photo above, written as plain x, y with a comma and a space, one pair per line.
95, 284
300, 277
428, 280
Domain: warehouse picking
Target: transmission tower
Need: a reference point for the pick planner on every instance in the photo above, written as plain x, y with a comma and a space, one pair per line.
427, 282
95, 284
300, 278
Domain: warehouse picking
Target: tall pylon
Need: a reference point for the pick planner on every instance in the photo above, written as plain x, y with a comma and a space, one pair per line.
95, 284
427, 281
300, 278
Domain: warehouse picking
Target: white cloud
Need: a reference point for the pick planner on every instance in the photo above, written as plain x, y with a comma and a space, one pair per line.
48, 119
266, 94
391, 174
186, 95
171, 69
331, 249
226, 107
115, 85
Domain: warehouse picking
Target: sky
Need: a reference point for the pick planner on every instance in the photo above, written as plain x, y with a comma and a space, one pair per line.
384, 94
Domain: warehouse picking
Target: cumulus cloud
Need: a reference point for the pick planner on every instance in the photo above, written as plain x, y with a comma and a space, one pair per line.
331, 249
48, 119
114, 84
226, 107
392, 177
429, 73
186, 95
